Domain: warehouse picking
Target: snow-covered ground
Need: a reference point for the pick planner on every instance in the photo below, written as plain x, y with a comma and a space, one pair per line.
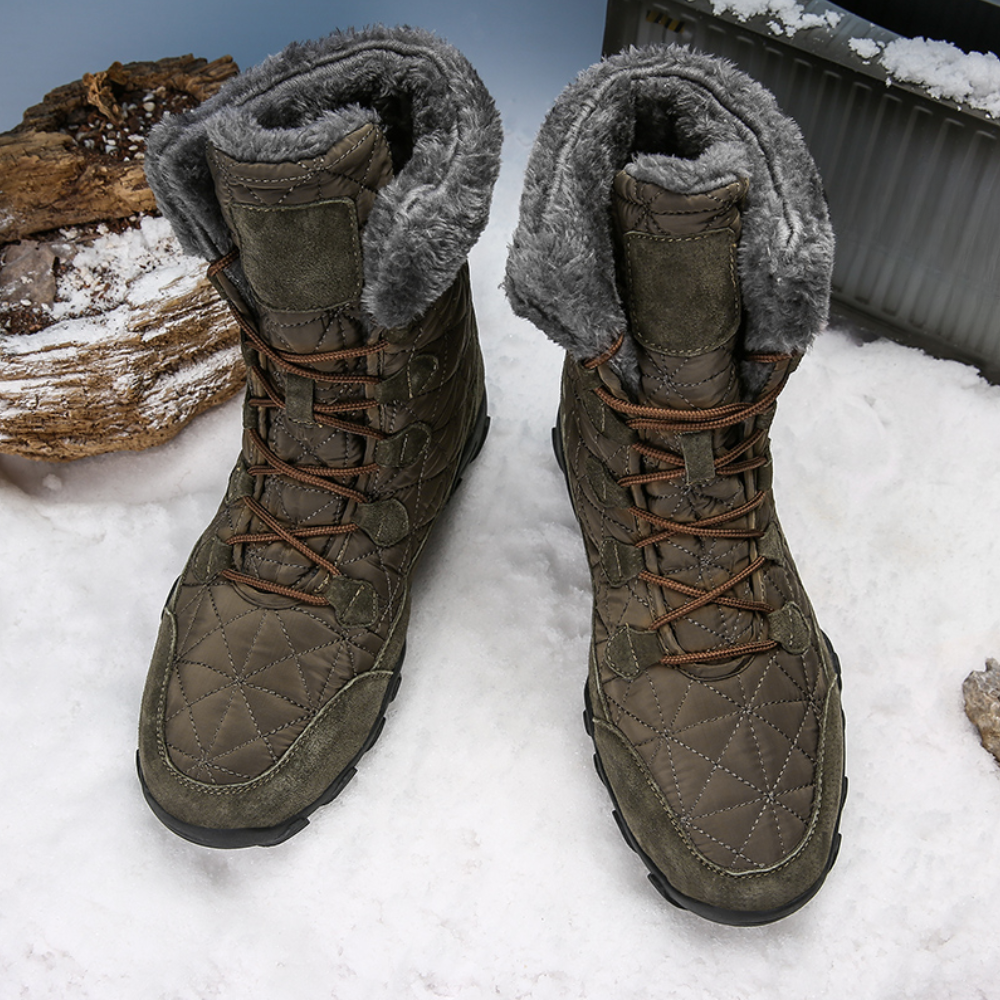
475, 855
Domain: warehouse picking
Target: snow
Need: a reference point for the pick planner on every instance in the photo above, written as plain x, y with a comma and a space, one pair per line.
109, 287
867, 48
944, 70
145, 260
474, 855
108, 281
788, 15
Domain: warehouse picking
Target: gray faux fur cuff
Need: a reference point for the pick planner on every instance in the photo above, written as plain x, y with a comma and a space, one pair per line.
688, 122
442, 125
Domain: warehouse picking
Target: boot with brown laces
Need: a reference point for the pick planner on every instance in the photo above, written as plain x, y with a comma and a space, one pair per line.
674, 239
336, 189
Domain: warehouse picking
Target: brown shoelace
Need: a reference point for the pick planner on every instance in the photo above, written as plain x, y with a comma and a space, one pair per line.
663, 420
268, 463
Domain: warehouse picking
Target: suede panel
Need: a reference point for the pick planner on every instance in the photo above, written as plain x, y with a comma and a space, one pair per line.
319, 248
355, 601
384, 521
681, 286
211, 557
299, 399
630, 651
771, 544
699, 458
621, 562
606, 490
605, 421
404, 447
423, 374
788, 626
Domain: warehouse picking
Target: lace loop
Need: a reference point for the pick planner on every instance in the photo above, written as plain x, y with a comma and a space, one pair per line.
322, 413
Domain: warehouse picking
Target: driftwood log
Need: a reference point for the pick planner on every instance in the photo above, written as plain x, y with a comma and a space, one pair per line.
69, 395
69, 162
83, 368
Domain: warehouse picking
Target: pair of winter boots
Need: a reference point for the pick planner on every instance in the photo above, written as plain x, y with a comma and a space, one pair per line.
674, 240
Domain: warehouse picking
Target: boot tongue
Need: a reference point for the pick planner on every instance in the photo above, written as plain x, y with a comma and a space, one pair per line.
677, 271
298, 226
677, 255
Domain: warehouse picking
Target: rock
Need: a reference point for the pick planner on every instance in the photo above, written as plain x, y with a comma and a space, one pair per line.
27, 274
982, 704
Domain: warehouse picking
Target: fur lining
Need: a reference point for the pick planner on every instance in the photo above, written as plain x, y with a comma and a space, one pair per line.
441, 122
689, 122
716, 167
237, 133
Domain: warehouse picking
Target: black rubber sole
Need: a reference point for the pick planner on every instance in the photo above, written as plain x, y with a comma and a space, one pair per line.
271, 836
718, 914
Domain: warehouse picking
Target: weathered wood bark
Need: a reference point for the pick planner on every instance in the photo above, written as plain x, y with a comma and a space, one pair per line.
47, 166
83, 370
69, 162
76, 394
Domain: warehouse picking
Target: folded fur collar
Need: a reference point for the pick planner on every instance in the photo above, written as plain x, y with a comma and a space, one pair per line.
297, 104
688, 122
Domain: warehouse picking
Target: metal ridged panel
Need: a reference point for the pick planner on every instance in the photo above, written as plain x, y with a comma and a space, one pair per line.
912, 182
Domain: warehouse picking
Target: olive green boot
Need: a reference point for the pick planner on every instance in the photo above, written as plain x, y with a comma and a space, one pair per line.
713, 696
337, 190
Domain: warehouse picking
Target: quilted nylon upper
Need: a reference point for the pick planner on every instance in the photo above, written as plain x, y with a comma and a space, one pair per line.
251, 670
733, 745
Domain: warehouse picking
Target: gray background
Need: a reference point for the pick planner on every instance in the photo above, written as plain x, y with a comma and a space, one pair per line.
525, 51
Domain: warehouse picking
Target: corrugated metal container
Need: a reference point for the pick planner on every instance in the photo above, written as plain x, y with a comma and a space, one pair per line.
913, 181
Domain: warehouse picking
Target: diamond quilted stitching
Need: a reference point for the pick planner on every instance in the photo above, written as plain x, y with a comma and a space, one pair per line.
736, 743
243, 708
